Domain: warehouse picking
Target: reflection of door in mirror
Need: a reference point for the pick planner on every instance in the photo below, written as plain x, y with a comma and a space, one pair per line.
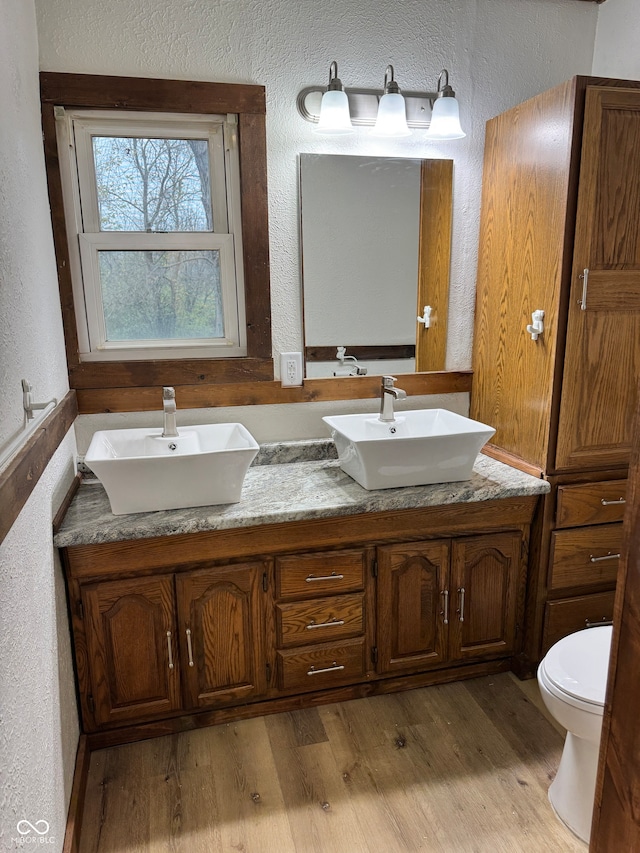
376, 236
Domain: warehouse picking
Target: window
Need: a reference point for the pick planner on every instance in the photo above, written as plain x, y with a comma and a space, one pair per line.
158, 192
152, 213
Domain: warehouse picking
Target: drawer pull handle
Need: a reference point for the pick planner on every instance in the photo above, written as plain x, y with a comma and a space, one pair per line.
445, 610
332, 577
608, 556
612, 503
461, 610
335, 666
189, 649
330, 624
604, 621
170, 650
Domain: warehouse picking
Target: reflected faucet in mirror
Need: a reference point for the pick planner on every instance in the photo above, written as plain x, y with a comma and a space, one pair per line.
348, 364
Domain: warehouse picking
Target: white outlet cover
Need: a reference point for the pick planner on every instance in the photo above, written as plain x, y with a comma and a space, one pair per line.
290, 369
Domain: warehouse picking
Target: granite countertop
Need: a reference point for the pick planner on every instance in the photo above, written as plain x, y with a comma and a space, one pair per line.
278, 489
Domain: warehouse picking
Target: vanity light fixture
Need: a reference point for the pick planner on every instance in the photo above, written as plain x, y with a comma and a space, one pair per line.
334, 108
436, 111
445, 115
392, 112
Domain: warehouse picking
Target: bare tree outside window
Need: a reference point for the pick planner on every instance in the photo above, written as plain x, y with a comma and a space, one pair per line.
157, 186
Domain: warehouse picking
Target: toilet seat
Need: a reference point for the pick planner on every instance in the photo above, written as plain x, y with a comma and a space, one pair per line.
575, 668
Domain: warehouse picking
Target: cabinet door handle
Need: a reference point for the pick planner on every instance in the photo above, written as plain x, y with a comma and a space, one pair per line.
335, 666
612, 503
189, 649
445, 611
169, 650
608, 556
330, 624
604, 621
585, 284
461, 609
332, 577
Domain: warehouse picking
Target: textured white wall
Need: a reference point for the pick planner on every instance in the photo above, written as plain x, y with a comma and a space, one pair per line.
498, 52
617, 49
38, 721
38, 717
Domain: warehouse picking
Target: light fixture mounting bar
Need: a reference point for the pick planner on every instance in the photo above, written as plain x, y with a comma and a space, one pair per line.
363, 105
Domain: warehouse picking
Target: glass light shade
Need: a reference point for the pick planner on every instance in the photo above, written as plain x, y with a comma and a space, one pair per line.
334, 114
392, 116
445, 120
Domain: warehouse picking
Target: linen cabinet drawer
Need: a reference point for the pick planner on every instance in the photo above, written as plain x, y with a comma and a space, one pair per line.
585, 556
321, 666
320, 619
572, 614
591, 503
306, 575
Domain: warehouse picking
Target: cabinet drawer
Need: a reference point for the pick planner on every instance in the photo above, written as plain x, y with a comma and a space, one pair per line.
320, 619
306, 575
572, 614
318, 667
586, 556
591, 503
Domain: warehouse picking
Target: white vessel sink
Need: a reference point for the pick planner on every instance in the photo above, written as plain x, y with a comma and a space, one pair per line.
420, 447
141, 471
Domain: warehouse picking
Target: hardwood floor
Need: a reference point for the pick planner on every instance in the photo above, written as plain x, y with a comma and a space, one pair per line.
461, 768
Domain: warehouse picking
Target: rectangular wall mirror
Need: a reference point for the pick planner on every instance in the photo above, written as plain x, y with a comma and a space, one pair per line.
376, 242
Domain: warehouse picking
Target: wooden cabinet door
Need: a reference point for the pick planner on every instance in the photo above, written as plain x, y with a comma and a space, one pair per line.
602, 361
131, 643
221, 618
522, 244
484, 595
411, 609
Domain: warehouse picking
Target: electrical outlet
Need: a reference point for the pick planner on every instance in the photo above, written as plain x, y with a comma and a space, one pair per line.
290, 369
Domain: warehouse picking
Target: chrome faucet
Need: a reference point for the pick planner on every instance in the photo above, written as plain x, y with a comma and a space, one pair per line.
169, 409
387, 395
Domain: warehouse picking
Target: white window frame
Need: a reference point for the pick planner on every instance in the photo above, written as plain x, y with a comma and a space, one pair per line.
75, 129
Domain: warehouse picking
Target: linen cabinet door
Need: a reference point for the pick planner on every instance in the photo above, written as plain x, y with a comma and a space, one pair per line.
484, 595
412, 607
132, 650
602, 362
221, 618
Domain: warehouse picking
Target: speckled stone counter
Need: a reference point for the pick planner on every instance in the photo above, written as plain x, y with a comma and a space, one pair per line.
281, 490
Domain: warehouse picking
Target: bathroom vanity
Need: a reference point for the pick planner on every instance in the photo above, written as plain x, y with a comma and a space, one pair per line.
309, 590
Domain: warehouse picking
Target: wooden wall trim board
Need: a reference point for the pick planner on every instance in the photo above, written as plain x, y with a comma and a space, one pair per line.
149, 399
511, 459
436, 205
21, 475
616, 824
363, 353
76, 803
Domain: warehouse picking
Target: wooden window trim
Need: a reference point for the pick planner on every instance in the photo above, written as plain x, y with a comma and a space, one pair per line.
127, 93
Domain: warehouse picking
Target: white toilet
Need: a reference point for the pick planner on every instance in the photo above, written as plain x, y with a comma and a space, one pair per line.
573, 679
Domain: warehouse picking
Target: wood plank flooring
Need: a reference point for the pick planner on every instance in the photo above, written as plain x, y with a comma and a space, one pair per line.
456, 768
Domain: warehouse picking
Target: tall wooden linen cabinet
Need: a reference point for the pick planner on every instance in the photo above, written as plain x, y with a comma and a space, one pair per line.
560, 234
